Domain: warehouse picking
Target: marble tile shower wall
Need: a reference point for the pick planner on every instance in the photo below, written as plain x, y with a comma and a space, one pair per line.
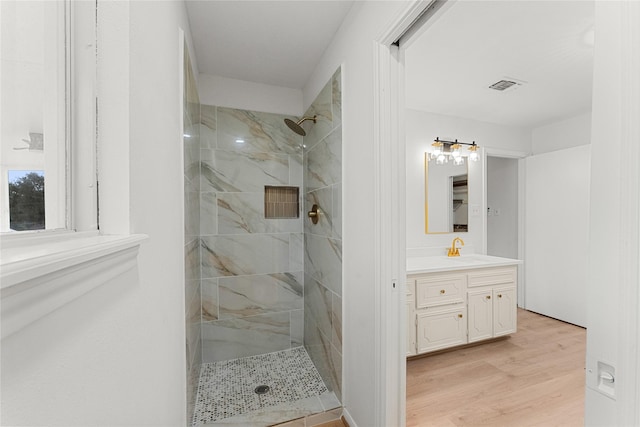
252, 267
191, 151
323, 241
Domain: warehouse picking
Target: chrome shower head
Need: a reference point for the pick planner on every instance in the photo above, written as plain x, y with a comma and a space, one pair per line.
295, 126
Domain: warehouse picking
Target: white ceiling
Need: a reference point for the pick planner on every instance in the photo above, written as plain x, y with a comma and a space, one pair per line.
477, 43
448, 67
272, 42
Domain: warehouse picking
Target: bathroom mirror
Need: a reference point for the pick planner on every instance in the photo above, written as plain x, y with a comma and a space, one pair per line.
446, 208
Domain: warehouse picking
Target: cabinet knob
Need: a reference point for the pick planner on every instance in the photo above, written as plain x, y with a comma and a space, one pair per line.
460, 316
442, 291
499, 295
488, 296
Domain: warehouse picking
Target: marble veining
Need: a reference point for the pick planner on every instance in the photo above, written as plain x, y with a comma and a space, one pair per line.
208, 213
209, 297
208, 126
260, 132
192, 215
324, 162
319, 349
296, 330
323, 261
321, 108
250, 295
240, 213
336, 322
318, 304
323, 244
250, 259
240, 255
336, 98
245, 336
236, 172
226, 390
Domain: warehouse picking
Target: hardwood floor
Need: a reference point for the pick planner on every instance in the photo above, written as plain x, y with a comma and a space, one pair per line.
533, 378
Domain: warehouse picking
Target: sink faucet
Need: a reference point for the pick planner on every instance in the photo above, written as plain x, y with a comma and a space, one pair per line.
453, 251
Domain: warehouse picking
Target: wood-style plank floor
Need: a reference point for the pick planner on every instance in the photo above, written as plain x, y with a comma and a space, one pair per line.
533, 378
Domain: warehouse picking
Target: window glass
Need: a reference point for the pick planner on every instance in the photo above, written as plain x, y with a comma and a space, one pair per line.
26, 200
33, 141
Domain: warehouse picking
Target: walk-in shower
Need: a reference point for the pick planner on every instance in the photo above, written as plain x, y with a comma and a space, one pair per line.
266, 288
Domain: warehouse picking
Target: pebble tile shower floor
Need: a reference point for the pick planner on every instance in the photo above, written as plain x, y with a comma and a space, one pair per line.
227, 388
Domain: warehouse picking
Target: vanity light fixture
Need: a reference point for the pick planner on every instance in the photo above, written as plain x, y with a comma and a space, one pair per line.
444, 151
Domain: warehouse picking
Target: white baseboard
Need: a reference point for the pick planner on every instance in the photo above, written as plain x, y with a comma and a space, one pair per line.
347, 416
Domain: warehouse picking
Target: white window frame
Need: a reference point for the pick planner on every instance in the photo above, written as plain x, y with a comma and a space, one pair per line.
40, 271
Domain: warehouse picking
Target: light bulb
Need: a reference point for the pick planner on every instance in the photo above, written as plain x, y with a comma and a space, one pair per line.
455, 150
441, 159
437, 149
458, 160
473, 155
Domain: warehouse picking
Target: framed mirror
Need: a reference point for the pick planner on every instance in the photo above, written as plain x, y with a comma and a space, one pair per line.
446, 208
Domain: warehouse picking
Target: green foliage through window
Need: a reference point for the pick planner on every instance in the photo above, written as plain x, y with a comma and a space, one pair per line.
26, 200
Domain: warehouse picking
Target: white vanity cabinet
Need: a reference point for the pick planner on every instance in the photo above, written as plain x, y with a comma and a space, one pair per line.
440, 317
450, 308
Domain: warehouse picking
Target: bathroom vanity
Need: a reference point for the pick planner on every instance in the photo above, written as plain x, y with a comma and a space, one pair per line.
453, 301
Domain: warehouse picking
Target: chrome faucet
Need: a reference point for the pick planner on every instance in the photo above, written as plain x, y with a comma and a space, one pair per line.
453, 251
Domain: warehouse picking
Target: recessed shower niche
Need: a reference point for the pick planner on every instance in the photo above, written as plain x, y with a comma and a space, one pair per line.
271, 287
281, 202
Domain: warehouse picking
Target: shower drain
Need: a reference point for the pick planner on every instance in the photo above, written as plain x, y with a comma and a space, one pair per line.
262, 389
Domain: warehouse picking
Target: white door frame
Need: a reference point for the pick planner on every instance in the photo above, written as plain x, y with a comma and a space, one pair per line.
390, 206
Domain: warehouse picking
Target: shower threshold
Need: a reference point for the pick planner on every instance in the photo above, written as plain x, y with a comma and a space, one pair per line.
232, 392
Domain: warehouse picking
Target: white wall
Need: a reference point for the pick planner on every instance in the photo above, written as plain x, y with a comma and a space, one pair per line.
116, 356
557, 203
557, 233
571, 132
421, 129
233, 93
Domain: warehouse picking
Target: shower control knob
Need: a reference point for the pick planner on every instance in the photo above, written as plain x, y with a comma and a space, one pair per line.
313, 214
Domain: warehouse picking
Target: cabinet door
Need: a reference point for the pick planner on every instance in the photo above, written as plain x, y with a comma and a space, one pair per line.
411, 325
505, 311
441, 329
480, 315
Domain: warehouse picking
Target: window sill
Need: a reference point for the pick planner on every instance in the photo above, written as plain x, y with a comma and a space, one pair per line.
40, 274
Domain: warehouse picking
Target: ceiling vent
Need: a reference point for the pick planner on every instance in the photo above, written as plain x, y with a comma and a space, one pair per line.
503, 85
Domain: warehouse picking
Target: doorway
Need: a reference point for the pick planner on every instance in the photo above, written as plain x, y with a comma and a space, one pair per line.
455, 100
502, 207
616, 44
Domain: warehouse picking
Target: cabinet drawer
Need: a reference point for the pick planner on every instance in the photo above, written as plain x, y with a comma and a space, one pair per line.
440, 290
493, 276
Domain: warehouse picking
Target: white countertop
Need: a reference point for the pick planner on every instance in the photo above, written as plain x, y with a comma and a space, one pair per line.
433, 264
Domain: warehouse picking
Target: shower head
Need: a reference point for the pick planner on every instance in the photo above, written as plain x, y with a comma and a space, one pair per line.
295, 126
